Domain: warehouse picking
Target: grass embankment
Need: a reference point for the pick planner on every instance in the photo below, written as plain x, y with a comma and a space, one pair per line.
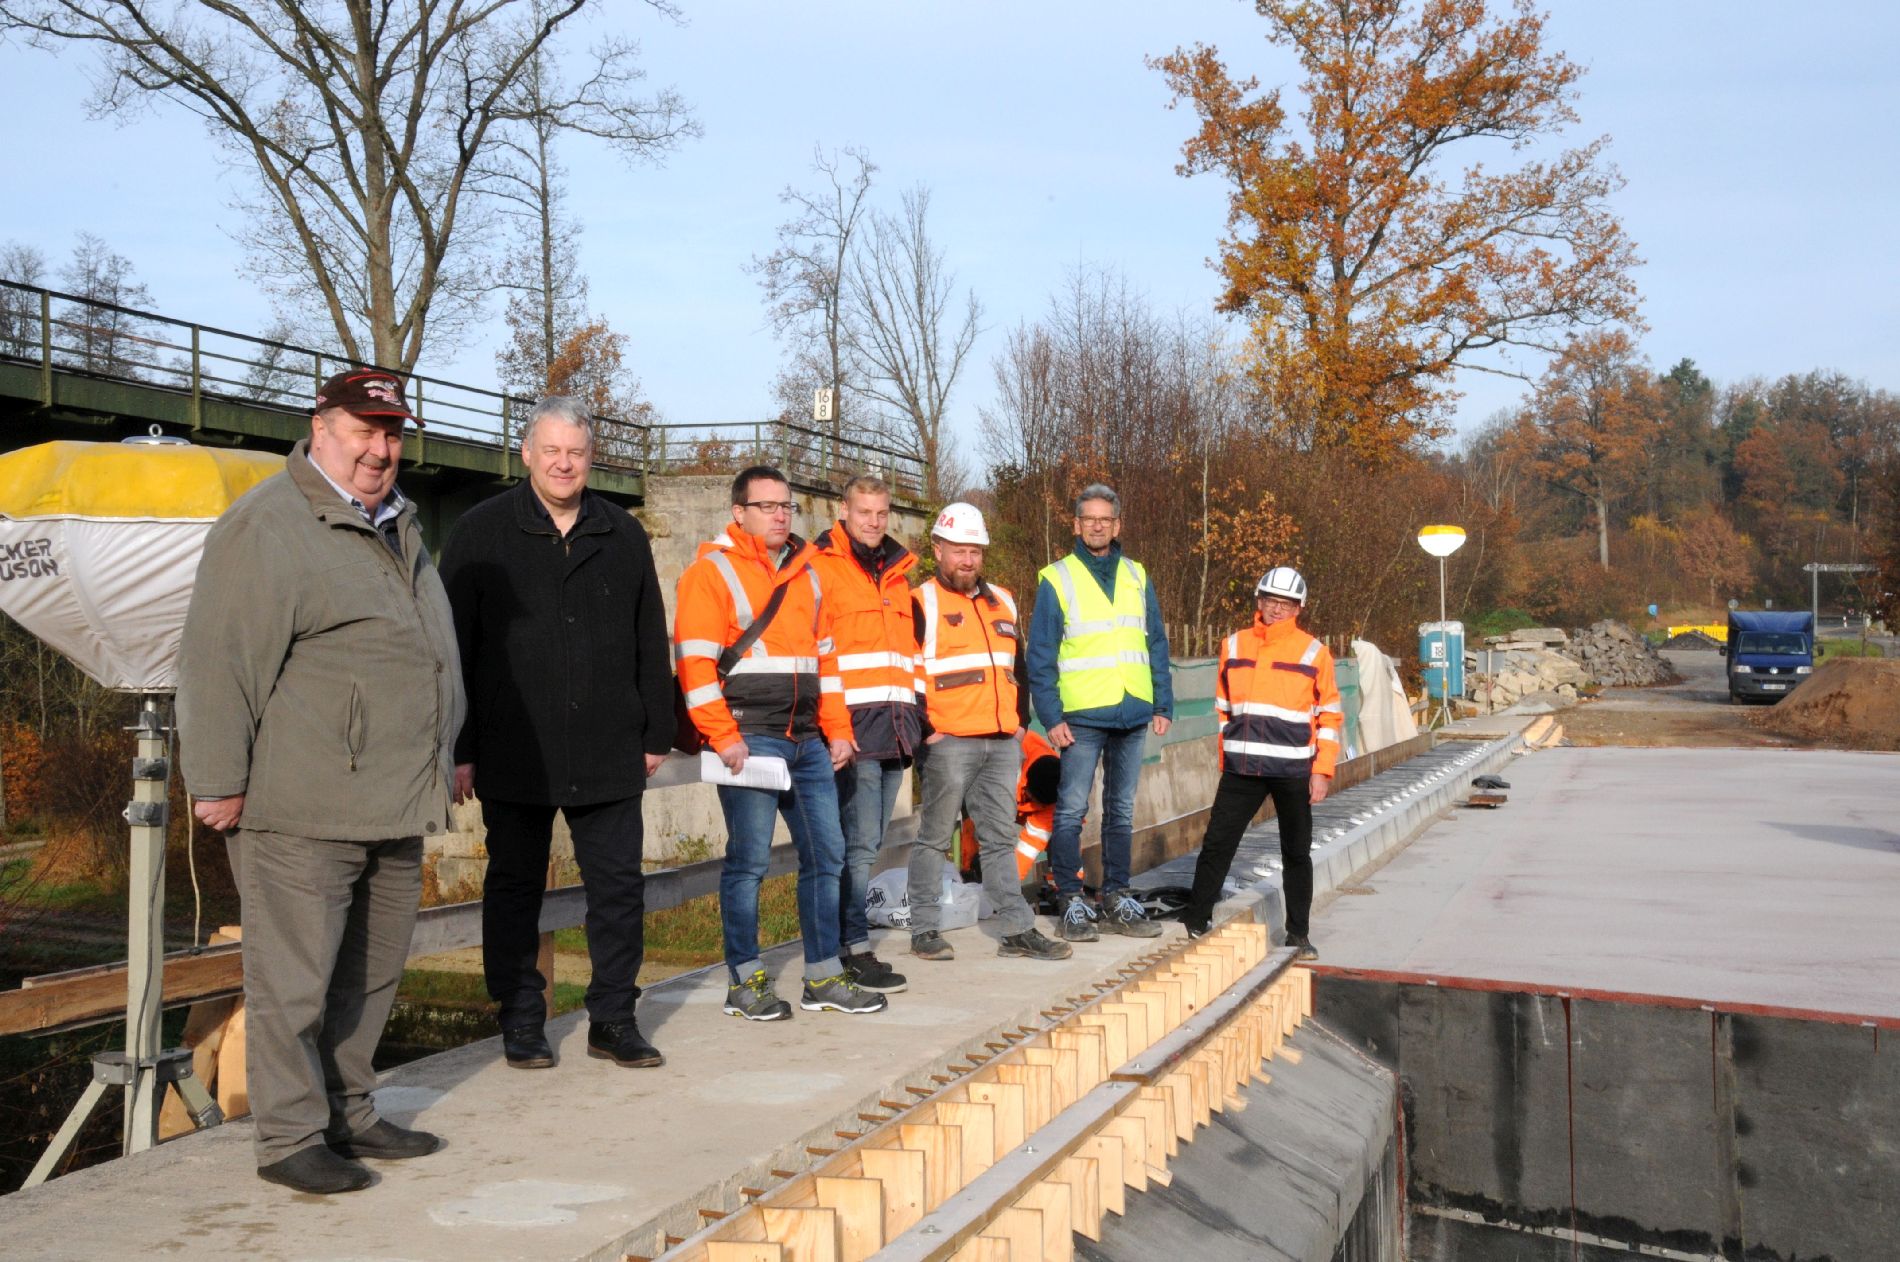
1848, 648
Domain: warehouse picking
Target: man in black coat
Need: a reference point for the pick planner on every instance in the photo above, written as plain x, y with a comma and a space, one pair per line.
565, 651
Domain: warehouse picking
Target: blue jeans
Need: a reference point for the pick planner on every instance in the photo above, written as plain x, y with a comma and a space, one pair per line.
867, 794
1119, 751
810, 808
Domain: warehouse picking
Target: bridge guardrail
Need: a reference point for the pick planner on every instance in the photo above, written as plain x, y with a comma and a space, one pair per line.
69, 333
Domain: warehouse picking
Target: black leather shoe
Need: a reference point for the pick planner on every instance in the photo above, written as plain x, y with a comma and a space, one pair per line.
622, 1043
386, 1140
316, 1170
526, 1047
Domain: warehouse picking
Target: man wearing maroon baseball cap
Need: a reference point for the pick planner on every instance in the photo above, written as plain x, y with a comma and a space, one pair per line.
356, 441
320, 692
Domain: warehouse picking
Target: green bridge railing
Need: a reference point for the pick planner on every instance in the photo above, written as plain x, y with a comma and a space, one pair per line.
61, 333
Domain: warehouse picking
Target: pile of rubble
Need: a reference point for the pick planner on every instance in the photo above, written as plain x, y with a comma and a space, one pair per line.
1553, 665
1617, 657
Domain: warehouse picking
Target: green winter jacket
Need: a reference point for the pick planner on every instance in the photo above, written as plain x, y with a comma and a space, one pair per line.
318, 674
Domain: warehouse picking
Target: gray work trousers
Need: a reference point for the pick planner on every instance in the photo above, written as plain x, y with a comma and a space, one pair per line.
977, 776
326, 934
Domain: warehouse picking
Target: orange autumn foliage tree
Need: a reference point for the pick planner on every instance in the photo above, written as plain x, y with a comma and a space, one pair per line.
1589, 425
1245, 534
1714, 552
1368, 268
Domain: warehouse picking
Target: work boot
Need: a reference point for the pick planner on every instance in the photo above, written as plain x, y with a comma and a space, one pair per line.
871, 973
930, 945
1078, 920
622, 1043
840, 994
316, 1170
526, 1047
1123, 913
1302, 946
753, 999
1032, 944
386, 1140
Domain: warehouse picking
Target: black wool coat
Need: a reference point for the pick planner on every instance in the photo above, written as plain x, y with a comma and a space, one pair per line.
565, 651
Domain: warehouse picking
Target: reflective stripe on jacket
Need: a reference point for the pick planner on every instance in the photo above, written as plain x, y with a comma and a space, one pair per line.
787, 684
968, 656
1104, 653
876, 638
1278, 702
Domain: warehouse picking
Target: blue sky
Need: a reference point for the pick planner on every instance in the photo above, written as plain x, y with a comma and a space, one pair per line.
1761, 142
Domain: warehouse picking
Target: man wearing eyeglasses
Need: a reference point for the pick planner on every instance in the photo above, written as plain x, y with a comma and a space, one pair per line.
1280, 726
781, 697
1098, 674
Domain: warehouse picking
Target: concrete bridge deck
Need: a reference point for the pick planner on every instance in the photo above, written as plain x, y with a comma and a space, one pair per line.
592, 1161
1765, 877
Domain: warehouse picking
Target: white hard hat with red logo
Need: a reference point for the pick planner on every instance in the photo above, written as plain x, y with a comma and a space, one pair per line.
961, 523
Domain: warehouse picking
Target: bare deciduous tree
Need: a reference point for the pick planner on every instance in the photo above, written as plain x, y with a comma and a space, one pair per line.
804, 283
904, 331
19, 311
101, 338
363, 123
541, 272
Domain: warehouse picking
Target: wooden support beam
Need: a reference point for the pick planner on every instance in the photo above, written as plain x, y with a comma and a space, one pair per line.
59, 1001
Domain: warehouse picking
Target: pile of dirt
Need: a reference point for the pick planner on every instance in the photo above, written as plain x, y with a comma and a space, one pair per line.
1852, 701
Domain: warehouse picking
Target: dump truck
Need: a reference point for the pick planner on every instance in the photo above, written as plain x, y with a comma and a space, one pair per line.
1769, 652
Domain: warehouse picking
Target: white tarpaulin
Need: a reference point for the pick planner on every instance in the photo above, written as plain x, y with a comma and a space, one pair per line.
99, 546
120, 622
1385, 713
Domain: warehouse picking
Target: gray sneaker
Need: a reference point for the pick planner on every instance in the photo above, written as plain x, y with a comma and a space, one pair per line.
754, 1000
1303, 947
1122, 912
840, 994
1078, 920
1036, 947
930, 945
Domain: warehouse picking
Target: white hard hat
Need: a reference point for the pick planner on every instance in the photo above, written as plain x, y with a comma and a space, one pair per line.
1282, 580
960, 523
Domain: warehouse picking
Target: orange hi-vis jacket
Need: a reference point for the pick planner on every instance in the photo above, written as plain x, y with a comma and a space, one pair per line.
1038, 819
1280, 707
787, 684
967, 652
876, 636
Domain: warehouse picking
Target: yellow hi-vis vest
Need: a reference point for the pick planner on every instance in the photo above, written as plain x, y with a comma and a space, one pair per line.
1104, 653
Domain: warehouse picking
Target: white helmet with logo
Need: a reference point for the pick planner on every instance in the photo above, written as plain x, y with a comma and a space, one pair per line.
1283, 581
961, 523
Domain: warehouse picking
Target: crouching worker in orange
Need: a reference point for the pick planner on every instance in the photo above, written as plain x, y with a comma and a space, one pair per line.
1036, 803
1280, 736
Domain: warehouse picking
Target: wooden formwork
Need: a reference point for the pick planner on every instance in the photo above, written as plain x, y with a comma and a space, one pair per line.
1044, 1131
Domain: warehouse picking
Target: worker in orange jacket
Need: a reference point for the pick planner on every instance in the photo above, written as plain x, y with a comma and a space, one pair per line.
968, 641
780, 697
1280, 736
863, 571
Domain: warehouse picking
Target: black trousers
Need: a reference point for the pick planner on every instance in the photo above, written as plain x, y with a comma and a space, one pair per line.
1236, 802
608, 838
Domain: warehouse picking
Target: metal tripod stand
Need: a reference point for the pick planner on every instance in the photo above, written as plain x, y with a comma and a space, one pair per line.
143, 1069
